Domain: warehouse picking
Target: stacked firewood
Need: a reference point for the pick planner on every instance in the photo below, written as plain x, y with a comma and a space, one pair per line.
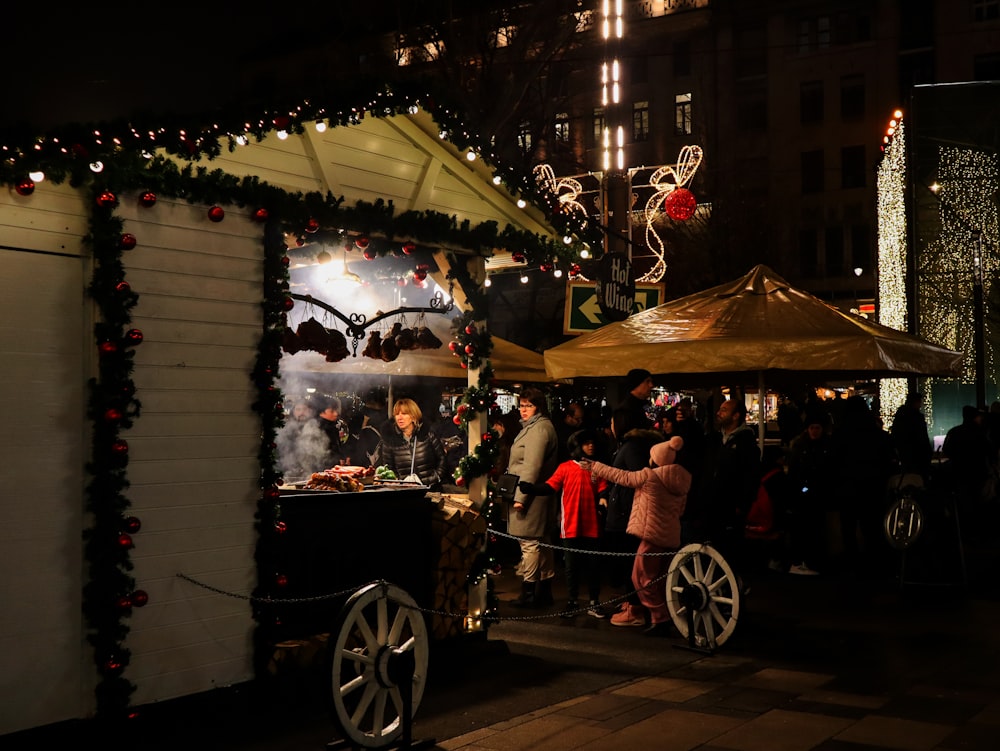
459, 533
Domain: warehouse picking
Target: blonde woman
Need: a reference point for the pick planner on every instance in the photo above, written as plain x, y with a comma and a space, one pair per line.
409, 448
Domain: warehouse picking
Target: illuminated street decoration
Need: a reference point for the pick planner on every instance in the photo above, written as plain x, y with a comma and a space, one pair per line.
665, 181
566, 190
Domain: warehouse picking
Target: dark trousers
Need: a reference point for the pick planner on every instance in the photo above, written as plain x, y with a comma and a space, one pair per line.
583, 565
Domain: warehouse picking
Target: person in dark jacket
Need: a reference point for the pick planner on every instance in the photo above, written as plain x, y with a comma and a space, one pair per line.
631, 412
409, 448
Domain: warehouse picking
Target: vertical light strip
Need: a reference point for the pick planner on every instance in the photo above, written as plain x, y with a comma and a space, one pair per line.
611, 76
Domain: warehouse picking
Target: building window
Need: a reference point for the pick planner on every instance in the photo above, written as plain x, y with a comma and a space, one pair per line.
852, 167
808, 260
682, 58
751, 51
505, 36
812, 171
751, 106
861, 247
524, 137
812, 34
600, 123
811, 102
823, 32
682, 115
640, 121
834, 250
985, 10
638, 69
852, 97
986, 67
562, 127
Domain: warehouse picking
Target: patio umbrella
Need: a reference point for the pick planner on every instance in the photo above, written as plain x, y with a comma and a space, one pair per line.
748, 328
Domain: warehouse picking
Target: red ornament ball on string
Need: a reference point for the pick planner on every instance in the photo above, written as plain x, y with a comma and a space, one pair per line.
370, 254
517, 256
216, 214
680, 204
25, 188
286, 261
106, 199
470, 349
272, 493
574, 269
401, 282
281, 580
125, 540
460, 481
260, 215
140, 598
120, 447
409, 247
546, 266
147, 199
107, 348
124, 603
362, 242
132, 524
312, 225
113, 665
280, 527
457, 419
281, 122
133, 336
113, 415
127, 241
289, 303
453, 346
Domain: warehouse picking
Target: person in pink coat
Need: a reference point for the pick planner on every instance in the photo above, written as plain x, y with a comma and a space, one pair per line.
660, 497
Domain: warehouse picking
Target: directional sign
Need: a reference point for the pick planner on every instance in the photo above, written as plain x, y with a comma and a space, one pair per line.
583, 311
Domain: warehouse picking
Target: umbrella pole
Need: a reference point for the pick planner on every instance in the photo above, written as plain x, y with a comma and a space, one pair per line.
761, 411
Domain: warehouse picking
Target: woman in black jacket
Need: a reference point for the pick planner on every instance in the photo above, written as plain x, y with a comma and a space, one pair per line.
408, 447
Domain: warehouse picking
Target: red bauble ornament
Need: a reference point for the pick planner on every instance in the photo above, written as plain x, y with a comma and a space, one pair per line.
453, 346
312, 225
574, 269
289, 303
680, 204
286, 261
462, 408
25, 188
457, 420
400, 282
107, 348
362, 242
460, 481
272, 493
127, 241
139, 598
370, 254
112, 415
281, 580
470, 329
546, 266
132, 524
409, 247
147, 199
124, 603
216, 214
419, 276
280, 527
120, 447
517, 256
106, 199
470, 349
487, 437
113, 665
260, 215
125, 540
133, 336
281, 122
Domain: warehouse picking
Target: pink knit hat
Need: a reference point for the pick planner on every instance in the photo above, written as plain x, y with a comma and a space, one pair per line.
666, 452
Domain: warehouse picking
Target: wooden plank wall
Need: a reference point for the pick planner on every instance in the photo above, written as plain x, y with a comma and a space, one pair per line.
194, 450
46, 346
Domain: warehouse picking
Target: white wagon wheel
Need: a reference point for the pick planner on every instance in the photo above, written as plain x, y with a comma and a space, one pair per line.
703, 591
379, 664
903, 522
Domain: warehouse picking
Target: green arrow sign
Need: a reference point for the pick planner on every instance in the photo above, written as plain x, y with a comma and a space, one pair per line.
583, 312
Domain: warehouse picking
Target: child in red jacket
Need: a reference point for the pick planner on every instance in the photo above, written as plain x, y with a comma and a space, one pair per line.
579, 519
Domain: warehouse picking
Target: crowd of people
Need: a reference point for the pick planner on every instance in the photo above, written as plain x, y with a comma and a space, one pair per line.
603, 497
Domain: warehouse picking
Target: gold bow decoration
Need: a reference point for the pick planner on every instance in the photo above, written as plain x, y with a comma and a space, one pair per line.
565, 189
665, 181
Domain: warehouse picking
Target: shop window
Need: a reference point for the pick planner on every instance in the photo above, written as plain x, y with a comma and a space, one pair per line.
600, 123
562, 128
524, 139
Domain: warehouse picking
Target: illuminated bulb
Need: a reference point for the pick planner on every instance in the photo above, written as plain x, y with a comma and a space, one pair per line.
496, 179
584, 253
897, 114
147, 154
858, 271
524, 278
488, 282
521, 203
36, 177
557, 273
443, 135
241, 140
97, 166
471, 156
320, 126
567, 240
413, 109
282, 135
934, 187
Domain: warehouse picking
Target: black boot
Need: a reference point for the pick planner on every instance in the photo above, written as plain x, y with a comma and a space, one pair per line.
527, 598
543, 596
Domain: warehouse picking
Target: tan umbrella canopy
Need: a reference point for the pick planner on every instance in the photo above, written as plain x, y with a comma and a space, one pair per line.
750, 326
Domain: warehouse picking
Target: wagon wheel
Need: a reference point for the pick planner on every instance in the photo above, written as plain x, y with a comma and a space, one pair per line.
903, 522
379, 664
702, 589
